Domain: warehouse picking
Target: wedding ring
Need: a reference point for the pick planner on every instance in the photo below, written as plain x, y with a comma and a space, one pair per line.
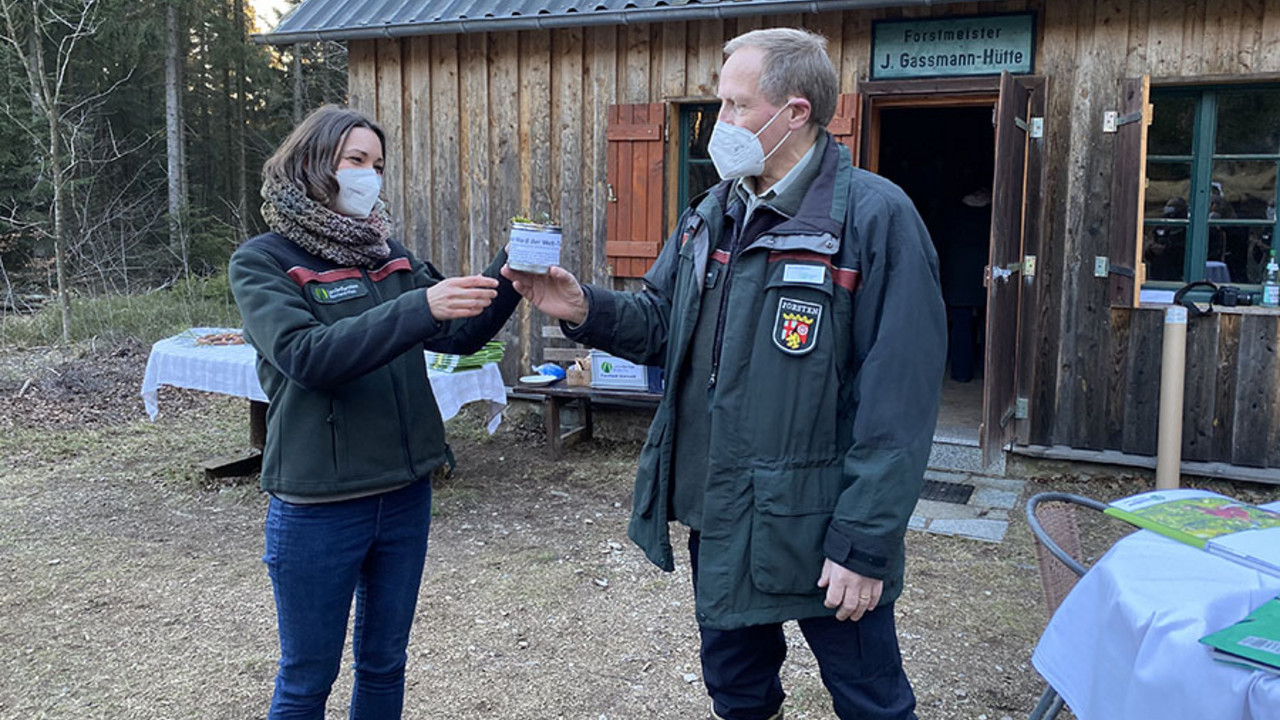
864, 597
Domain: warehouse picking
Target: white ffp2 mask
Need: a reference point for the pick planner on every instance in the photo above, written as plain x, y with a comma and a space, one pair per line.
737, 152
358, 190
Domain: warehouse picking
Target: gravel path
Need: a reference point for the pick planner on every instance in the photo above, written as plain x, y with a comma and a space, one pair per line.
129, 588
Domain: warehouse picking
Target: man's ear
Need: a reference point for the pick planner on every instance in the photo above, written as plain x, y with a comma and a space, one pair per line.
799, 113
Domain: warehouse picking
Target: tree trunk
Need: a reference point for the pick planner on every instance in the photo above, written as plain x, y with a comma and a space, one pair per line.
58, 174
47, 100
230, 186
299, 87
173, 134
211, 173
242, 196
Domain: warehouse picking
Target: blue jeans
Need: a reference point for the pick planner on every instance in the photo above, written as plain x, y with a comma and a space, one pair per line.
319, 557
859, 662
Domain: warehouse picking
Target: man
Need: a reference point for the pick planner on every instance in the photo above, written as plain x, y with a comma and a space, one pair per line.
798, 314
966, 227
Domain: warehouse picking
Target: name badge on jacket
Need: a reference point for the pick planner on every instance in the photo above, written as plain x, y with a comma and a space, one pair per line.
336, 292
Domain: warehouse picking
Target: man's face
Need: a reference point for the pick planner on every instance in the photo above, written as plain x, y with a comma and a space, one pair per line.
741, 102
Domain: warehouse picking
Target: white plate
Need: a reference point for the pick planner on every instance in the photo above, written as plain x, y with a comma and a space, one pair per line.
538, 379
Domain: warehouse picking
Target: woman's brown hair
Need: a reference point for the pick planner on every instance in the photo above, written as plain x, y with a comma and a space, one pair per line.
308, 156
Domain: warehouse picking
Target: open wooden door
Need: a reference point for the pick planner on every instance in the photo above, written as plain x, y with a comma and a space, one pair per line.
1129, 191
1019, 142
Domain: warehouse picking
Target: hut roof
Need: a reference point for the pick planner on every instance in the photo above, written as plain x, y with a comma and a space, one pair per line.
315, 20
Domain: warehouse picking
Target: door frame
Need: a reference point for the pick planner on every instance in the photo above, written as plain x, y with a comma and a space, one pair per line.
878, 95
926, 94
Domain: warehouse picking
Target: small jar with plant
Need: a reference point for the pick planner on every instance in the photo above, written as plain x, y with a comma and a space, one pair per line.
534, 244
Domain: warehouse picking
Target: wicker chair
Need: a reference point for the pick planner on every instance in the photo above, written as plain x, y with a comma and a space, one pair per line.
1052, 518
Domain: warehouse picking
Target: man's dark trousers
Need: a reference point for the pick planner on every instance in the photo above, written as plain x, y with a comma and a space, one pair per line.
860, 665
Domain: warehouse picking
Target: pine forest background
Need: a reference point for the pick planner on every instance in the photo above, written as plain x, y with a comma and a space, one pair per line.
132, 135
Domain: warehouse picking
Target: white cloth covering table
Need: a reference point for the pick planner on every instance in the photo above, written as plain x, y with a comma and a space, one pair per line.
230, 370
1124, 644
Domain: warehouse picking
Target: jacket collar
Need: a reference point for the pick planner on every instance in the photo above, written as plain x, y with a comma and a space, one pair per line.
786, 194
818, 224
819, 221
822, 208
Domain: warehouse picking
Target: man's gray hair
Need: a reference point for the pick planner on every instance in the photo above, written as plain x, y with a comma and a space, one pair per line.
795, 65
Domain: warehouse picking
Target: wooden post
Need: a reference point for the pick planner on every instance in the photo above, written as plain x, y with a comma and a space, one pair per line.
242, 464
257, 425
1172, 374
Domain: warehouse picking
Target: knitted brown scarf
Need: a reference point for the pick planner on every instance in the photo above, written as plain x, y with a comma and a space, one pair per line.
350, 241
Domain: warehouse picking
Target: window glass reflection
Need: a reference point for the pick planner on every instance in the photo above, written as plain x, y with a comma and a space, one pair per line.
1242, 189
701, 177
1237, 254
1248, 122
1163, 250
698, 173
1172, 125
702, 120
1168, 188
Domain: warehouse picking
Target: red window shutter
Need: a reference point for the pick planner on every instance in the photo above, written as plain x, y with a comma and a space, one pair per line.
845, 126
633, 234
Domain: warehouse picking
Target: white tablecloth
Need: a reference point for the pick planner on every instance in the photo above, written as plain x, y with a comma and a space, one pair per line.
1124, 645
230, 370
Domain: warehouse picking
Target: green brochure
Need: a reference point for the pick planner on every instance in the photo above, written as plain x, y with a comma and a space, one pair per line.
1253, 642
1244, 533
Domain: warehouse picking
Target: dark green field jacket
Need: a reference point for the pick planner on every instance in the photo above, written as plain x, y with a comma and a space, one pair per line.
832, 343
340, 356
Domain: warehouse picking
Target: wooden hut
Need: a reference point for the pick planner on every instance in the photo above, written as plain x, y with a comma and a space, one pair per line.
1133, 146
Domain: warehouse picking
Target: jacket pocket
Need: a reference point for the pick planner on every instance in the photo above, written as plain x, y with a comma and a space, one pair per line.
793, 507
798, 307
337, 444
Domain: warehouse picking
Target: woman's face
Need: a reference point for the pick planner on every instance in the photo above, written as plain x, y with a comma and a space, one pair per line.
361, 150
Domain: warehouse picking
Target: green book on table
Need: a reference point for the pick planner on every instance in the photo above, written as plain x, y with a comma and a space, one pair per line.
1245, 533
1253, 642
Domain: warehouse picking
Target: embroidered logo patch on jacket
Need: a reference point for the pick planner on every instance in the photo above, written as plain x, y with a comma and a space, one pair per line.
795, 329
329, 293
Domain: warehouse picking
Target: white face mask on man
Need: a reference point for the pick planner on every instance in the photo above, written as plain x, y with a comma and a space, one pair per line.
358, 190
737, 152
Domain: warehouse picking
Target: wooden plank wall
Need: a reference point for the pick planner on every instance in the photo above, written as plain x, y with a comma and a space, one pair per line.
1231, 407
1106, 361
486, 126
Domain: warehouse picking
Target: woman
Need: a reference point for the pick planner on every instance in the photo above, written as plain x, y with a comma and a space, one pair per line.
340, 314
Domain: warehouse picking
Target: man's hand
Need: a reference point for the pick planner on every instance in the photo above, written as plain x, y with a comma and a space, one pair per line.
557, 293
461, 297
852, 593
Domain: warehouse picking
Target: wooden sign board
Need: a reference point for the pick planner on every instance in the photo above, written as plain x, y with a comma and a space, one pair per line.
953, 47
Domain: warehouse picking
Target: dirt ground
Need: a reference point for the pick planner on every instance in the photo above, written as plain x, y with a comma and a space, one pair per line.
131, 588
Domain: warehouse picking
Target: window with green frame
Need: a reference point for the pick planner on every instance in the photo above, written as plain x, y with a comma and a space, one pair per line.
1213, 157
696, 172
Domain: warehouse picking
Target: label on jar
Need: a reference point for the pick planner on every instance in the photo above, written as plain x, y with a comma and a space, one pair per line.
533, 248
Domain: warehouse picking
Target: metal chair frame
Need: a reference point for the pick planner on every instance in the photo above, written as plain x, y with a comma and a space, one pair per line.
1050, 703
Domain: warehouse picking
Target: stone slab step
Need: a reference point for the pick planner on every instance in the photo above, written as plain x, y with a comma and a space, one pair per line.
962, 455
985, 516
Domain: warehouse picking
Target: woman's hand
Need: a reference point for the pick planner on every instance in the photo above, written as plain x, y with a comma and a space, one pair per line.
461, 297
557, 293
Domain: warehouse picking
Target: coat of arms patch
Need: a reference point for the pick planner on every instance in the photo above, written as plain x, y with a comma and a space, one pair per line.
795, 329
